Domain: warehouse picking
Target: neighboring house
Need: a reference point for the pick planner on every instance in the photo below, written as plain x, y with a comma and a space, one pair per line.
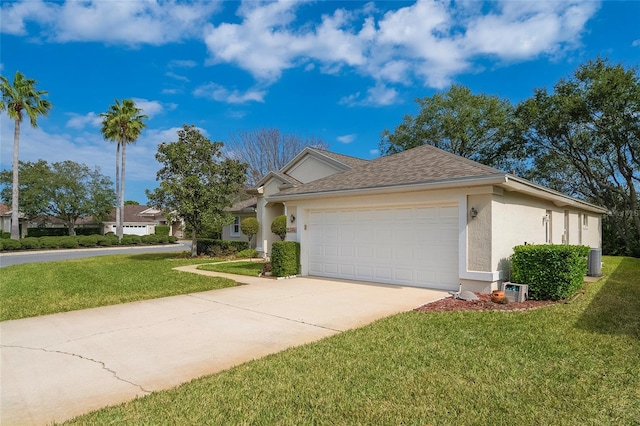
240, 210
423, 217
5, 220
141, 220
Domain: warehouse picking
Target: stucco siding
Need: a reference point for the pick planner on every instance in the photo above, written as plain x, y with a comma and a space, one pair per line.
479, 233
310, 168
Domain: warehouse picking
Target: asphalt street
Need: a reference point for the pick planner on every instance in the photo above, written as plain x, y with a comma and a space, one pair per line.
20, 257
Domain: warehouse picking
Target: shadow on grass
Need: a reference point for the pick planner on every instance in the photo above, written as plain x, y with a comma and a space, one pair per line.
155, 256
615, 309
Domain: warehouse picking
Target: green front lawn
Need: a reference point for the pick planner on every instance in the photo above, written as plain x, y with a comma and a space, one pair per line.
50, 287
251, 269
567, 364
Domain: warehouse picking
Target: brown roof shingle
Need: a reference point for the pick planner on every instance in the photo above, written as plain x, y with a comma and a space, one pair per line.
344, 159
423, 164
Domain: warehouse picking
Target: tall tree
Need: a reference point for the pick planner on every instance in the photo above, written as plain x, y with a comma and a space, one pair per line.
18, 99
122, 124
479, 127
196, 182
265, 150
66, 190
585, 140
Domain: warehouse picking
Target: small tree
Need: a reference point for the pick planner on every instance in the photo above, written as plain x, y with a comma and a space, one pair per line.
195, 181
279, 226
250, 227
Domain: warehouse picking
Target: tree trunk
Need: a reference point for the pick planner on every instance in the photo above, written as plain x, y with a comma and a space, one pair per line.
124, 162
72, 228
118, 226
194, 244
15, 218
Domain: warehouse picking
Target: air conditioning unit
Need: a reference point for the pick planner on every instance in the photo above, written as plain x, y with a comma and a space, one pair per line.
515, 292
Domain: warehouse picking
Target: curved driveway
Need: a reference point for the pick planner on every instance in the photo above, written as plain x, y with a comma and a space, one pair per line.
59, 366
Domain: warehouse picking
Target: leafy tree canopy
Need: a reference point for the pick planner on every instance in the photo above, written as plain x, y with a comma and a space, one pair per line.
584, 140
66, 190
479, 127
196, 182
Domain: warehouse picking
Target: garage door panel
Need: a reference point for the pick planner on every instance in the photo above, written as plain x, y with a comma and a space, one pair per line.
415, 245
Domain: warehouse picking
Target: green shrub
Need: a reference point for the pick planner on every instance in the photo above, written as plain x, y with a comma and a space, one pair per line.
214, 248
107, 240
30, 243
552, 272
285, 258
50, 242
68, 242
130, 240
163, 230
5, 235
247, 254
250, 227
47, 232
172, 239
163, 239
149, 239
279, 226
11, 244
88, 240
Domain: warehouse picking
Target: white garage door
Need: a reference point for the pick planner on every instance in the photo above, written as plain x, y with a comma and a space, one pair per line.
415, 246
132, 229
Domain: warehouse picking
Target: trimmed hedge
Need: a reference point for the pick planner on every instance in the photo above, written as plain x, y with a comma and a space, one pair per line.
215, 248
47, 232
279, 226
163, 230
84, 241
552, 272
5, 235
285, 258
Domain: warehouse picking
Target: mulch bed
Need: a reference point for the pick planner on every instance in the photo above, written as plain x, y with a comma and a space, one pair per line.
484, 304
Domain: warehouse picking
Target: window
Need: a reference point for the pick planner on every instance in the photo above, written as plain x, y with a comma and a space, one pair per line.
235, 226
547, 227
585, 221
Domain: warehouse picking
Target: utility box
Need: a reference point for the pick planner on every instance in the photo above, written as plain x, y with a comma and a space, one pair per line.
594, 266
515, 292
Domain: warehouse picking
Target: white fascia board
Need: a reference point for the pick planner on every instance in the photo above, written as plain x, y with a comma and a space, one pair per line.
515, 183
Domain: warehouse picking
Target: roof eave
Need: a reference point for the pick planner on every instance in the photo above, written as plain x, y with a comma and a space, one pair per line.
431, 185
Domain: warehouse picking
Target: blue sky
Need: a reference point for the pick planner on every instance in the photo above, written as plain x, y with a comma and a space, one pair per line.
342, 71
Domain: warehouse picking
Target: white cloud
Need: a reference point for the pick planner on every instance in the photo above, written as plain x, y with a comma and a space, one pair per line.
430, 41
176, 76
380, 94
636, 43
222, 94
182, 63
347, 139
116, 22
149, 108
78, 121
374, 152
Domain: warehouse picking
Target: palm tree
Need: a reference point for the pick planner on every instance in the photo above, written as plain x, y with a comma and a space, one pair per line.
17, 99
122, 124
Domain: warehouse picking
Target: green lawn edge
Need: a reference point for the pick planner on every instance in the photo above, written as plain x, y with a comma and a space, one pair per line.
52, 287
247, 268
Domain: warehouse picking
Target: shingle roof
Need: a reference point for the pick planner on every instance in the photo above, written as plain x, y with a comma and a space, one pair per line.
418, 165
345, 159
244, 204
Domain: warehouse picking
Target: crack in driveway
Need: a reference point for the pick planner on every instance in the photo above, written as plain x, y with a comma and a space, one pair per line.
265, 313
101, 363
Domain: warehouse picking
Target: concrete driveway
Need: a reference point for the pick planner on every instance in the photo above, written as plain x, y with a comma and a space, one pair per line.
56, 367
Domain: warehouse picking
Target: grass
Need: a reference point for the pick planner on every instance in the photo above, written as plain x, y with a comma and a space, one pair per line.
567, 364
51, 287
251, 269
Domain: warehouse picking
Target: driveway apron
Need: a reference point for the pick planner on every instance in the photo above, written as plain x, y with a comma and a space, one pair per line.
55, 367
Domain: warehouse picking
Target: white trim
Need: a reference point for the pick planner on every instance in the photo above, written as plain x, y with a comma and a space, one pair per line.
481, 276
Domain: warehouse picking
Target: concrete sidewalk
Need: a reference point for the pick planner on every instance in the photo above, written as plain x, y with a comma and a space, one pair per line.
59, 366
